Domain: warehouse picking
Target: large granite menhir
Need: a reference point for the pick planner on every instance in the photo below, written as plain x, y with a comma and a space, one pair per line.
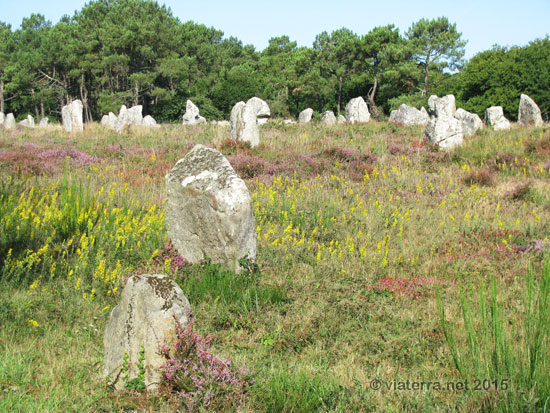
209, 210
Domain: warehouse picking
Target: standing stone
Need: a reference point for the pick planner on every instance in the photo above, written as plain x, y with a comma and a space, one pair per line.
442, 107
236, 121
109, 120
150, 122
146, 316
43, 122
357, 111
305, 115
289, 121
9, 123
245, 119
209, 210
470, 122
494, 116
71, 115
2, 118
223, 123
250, 131
408, 115
260, 108
191, 116
328, 118
28, 123
529, 112
445, 132
134, 115
341, 119
122, 119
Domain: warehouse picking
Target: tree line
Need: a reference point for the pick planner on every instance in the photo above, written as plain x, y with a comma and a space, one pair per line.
115, 52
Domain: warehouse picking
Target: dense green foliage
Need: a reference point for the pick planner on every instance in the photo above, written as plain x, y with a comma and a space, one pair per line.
115, 52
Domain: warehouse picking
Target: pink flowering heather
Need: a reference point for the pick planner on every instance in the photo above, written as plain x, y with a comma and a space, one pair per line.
200, 379
73, 155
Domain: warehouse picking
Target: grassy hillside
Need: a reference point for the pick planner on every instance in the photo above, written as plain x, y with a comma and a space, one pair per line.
381, 261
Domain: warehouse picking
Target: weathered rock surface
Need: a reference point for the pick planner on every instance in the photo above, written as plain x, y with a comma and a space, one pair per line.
109, 120
209, 210
529, 112
122, 119
357, 111
260, 107
470, 122
245, 118
72, 116
494, 117
305, 115
43, 122
328, 118
341, 119
9, 123
236, 121
28, 123
442, 107
191, 115
134, 115
150, 122
146, 316
446, 132
409, 115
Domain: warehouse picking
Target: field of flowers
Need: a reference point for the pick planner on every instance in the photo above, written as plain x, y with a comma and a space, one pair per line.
381, 261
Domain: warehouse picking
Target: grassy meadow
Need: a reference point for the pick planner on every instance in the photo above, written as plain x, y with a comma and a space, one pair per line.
382, 262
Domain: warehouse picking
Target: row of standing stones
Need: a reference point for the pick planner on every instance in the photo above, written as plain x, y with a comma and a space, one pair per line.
446, 126
209, 214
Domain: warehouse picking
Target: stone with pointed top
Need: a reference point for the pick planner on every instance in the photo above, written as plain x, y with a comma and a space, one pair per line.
357, 111
328, 118
191, 115
529, 112
28, 123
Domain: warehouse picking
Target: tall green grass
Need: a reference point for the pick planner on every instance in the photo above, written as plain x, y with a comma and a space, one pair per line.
508, 354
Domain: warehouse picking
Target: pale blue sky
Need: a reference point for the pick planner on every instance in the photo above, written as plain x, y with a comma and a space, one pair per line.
482, 23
